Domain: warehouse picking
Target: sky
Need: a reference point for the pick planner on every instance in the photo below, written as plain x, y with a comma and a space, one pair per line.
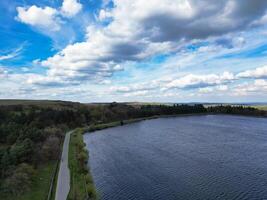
134, 50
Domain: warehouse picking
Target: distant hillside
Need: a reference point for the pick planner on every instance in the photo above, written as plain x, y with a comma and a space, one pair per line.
54, 104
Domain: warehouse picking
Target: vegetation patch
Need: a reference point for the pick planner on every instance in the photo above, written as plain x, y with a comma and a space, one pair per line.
33, 182
30, 138
82, 186
96, 127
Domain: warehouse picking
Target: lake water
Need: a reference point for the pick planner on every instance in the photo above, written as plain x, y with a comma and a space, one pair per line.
194, 157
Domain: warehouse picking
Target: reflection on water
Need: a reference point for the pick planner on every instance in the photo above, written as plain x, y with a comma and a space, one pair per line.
194, 157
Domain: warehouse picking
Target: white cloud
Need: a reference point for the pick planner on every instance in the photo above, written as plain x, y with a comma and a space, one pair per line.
222, 88
104, 14
204, 83
137, 93
70, 8
44, 18
218, 88
54, 22
138, 87
40, 80
258, 87
200, 81
260, 72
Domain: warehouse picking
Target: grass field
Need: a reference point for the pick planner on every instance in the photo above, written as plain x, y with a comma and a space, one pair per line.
114, 124
40, 186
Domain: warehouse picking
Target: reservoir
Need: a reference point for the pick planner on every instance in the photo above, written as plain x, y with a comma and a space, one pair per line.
204, 157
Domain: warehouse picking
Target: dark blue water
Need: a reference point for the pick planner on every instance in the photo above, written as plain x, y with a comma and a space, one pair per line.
195, 157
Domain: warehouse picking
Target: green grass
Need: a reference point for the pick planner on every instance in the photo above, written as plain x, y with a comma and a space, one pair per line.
40, 186
81, 180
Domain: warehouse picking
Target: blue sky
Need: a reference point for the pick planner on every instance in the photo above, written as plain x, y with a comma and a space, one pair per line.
124, 50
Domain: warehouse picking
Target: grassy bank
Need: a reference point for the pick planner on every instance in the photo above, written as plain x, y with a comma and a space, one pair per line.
82, 186
101, 126
40, 185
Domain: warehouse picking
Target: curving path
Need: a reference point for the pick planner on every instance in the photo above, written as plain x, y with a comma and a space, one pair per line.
63, 180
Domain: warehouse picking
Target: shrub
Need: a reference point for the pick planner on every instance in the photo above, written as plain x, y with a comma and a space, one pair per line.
91, 191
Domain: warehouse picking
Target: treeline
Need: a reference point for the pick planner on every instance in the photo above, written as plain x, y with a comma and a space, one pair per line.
104, 113
236, 110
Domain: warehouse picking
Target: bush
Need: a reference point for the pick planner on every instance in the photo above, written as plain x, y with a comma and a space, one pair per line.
91, 191
88, 179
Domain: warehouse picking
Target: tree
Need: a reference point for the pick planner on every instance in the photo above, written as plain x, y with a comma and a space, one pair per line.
22, 152
50, 149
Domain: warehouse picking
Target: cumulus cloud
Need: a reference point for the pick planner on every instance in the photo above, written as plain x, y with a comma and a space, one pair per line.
45, 18
138, 87
192, 19
204, 84
260, 72
256, 87
70, 8
104, 15
137, 93
141, 29
40, 80
200, 81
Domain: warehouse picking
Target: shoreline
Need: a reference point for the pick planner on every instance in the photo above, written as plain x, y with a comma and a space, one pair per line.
101, 126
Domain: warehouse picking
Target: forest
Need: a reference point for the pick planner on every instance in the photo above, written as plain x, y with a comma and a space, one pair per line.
31, 134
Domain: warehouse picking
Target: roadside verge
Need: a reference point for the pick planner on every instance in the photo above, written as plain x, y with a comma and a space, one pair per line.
81, 186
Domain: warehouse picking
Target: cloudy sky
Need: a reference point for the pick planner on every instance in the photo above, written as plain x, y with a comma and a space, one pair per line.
134, 50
